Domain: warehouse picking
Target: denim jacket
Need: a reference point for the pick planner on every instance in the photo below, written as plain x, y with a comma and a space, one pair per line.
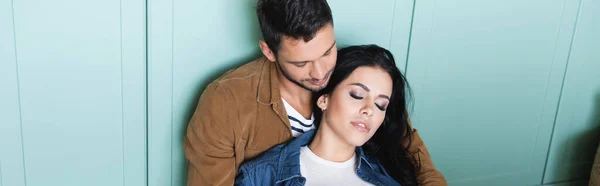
280, 165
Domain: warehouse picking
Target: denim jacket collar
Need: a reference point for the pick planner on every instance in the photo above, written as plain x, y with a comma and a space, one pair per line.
288, 165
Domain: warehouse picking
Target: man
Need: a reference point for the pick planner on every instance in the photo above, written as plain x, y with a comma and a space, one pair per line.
268, 101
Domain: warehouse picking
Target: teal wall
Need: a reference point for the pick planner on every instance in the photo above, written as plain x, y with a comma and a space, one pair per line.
72, 93
577, 129
486, 79
99, 93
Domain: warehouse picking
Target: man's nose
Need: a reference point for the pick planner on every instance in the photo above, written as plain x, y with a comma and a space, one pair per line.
319, 71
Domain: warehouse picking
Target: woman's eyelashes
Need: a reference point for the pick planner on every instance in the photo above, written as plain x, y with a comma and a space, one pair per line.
382, 108
355, 95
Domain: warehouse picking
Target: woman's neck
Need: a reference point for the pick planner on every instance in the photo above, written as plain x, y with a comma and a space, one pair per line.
328, 145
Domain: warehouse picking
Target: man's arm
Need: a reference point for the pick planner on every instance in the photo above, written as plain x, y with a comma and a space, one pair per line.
209, 141
427, 175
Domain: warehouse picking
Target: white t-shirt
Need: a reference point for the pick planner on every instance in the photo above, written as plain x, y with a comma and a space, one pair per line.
299, 123
319, 171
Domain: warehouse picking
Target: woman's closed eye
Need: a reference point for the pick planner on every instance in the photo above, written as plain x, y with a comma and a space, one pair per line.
355, 95
381, 107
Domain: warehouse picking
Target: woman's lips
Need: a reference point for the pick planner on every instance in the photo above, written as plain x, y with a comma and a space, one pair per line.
361, 125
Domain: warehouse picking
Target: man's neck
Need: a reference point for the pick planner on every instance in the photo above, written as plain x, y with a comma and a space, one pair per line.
298, 97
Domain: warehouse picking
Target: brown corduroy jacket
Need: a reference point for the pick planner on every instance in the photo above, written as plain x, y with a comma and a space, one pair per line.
595, 175
240, 115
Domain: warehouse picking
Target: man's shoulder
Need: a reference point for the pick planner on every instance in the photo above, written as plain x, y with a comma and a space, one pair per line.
241, 80
249, 71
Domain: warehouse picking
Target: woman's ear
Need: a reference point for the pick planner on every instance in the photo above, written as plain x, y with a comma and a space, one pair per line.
323, 101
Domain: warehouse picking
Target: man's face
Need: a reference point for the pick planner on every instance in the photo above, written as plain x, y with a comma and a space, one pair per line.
308, 64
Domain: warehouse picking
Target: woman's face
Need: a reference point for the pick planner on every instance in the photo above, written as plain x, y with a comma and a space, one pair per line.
356, 107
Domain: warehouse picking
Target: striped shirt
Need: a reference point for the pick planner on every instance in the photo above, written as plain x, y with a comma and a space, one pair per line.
299, 123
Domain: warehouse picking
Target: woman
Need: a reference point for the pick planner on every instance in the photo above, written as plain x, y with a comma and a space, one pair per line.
362, 122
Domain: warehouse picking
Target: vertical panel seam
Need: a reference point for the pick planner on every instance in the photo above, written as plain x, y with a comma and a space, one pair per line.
147, 79
1, 173
547, 87
122, 98
412, 18
562, 86
546, 93
172, 80
19, 93
392, 28
546, 96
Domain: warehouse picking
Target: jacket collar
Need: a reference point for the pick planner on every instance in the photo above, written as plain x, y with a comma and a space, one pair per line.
268, 85
288, 165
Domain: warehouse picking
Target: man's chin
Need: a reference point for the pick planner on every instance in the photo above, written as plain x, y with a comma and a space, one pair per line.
313, 88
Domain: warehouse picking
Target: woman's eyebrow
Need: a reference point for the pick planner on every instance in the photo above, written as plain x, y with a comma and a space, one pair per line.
361, 86
368, 90
384, 96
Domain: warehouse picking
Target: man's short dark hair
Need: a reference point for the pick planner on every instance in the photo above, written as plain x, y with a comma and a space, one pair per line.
298, 19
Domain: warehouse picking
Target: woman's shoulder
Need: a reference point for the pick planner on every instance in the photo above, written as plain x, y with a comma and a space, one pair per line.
268, 158
287, 150
261, 170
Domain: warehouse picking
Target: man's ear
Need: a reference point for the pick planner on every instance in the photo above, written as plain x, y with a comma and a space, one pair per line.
323, 101
264, 48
